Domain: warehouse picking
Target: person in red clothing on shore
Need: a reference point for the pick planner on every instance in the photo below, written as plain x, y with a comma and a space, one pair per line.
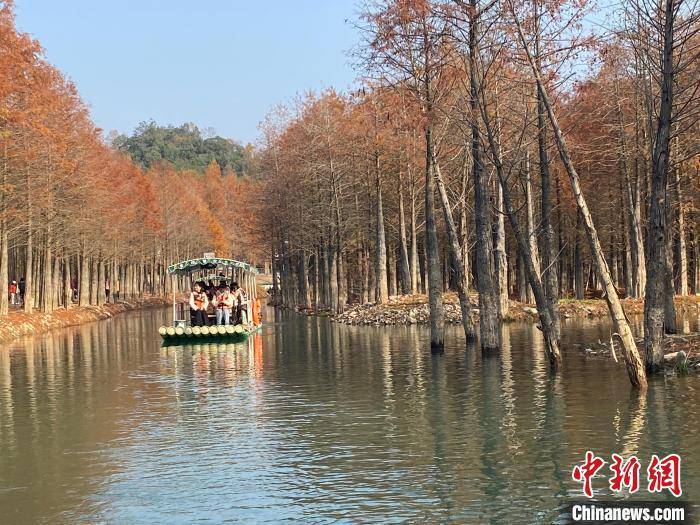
12, 289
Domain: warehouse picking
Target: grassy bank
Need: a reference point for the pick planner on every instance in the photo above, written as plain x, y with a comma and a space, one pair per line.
17, 323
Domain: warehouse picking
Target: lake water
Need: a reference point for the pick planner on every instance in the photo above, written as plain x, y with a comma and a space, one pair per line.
319, 423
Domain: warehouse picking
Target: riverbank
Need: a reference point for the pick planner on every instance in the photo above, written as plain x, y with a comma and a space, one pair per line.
18, 324
413, 309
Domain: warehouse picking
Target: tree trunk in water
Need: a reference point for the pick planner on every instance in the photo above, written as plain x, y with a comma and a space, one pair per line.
488, 296
500, 257
456, 253
549, 330
524, 250
549, 257
657, 258
635, 368
530, 216
434, 281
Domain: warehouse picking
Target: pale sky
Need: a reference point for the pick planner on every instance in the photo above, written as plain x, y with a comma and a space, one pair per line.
217, 63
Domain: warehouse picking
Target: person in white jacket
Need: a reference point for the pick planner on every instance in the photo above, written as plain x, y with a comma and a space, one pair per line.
223, 302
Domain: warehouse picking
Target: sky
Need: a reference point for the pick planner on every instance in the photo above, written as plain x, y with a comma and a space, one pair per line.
221, 64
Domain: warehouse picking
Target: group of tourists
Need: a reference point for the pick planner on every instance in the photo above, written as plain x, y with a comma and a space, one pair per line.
228, 303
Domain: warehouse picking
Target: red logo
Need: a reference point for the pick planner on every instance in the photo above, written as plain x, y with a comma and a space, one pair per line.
662, 474
665, 474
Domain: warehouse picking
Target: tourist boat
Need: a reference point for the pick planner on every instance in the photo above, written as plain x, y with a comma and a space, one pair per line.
211, 269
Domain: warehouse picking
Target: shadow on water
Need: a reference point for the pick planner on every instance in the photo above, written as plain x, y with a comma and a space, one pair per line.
313, 421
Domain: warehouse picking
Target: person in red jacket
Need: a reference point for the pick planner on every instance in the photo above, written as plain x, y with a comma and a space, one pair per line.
12, 289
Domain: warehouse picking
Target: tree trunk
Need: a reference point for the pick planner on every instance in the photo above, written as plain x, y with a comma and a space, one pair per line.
549, 256
333, 275
434, 281
530, 216
28, 273
47, 296
682, 247
404, 266
488, 296
382, 289
415, 264
635, 369
4, 262
500, 257
84, 286
67, 291
456, 253
657, 258
101, 278
669, 289
94, 285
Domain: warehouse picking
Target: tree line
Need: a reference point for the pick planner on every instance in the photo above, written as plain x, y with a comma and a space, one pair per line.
480, 155
76, 214
185, 148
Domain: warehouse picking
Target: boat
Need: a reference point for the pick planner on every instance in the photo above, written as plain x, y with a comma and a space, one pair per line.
211, 269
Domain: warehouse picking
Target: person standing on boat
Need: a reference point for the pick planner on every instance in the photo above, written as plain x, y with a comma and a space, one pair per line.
198, 305
223, 302
240, 299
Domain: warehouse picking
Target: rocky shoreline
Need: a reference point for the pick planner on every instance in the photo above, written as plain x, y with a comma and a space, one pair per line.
19, 324
413, 309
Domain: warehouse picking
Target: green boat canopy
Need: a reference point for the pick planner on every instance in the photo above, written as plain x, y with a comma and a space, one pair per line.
194, 265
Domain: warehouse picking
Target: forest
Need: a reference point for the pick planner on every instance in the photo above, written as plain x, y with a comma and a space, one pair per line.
76, 214
184, 148
502, 148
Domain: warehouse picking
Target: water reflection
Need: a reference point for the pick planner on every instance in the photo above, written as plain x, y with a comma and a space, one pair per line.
312, 421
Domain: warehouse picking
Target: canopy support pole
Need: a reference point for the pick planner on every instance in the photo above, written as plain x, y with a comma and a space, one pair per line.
172, 282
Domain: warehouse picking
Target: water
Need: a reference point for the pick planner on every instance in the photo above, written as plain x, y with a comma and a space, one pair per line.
319, 423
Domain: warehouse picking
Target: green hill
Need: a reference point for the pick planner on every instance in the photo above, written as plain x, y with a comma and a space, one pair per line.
183, 147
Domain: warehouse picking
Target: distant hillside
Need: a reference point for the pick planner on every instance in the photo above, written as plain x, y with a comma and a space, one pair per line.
183, 147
